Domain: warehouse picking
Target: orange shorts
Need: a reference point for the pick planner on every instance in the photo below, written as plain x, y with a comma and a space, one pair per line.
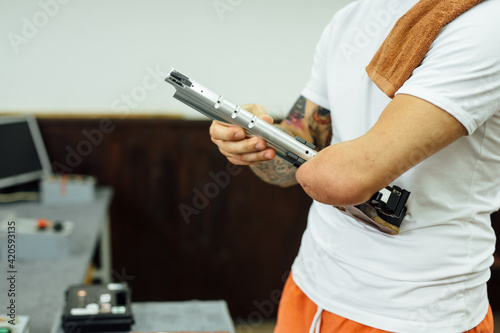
296, 313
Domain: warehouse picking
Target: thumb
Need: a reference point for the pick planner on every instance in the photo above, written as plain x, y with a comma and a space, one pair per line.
260, 111
267, 118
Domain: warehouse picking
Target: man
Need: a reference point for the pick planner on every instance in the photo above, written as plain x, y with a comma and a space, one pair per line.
439, 138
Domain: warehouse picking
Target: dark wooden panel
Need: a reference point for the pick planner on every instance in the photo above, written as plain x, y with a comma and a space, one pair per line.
494, 282
235, 240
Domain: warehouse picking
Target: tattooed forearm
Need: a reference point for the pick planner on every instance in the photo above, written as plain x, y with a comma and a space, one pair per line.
320, 127
277, 172
307, 120
312, 121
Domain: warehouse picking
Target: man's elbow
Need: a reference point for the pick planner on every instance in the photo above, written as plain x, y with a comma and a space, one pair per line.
333, 190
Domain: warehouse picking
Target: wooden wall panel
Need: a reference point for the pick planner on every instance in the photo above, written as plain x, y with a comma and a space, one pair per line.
494, 282
236, 245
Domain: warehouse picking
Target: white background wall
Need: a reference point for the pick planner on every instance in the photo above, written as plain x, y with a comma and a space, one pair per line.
104, 56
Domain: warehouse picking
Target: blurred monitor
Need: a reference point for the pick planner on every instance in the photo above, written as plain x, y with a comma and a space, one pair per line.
23, 157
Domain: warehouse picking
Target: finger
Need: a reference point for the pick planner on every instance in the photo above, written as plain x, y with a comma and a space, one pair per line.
238, 162
252, 158
267, 118
222, 131
256, 109
249, 145
259, 110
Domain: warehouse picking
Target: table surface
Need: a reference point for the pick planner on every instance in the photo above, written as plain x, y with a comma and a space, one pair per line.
195, 316
40, 284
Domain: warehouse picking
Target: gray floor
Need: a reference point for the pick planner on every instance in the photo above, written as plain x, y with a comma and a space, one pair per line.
266, 327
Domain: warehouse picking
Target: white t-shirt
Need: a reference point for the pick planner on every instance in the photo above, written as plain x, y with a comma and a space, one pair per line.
432, 276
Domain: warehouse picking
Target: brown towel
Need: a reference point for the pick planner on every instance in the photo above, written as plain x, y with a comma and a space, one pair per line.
410, 39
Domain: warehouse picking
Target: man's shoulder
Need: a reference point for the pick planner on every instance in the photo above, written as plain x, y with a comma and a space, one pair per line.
478, 28
484, 15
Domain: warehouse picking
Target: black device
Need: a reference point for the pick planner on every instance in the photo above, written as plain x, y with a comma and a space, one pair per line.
24, 158
391, 202
98, 308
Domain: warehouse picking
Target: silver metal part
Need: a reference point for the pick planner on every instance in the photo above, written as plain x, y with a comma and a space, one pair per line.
216, 107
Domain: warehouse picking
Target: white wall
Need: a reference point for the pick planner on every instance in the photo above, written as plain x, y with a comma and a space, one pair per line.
98, 56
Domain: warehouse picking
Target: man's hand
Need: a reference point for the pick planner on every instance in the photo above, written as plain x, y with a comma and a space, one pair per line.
236, 146
306, 119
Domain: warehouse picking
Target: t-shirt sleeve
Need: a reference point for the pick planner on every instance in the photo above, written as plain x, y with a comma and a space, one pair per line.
461, 71
316, 88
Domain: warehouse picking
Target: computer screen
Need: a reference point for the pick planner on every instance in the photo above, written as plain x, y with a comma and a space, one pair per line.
23, 157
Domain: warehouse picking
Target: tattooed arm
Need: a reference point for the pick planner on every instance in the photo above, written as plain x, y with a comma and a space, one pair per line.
307, 120
277, 171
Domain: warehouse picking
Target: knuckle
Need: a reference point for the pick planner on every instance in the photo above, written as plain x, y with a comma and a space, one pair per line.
212, 130
235, 161
242, 157
260, 109
254, 143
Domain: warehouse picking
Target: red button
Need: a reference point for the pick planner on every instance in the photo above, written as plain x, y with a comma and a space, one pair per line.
42, 223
